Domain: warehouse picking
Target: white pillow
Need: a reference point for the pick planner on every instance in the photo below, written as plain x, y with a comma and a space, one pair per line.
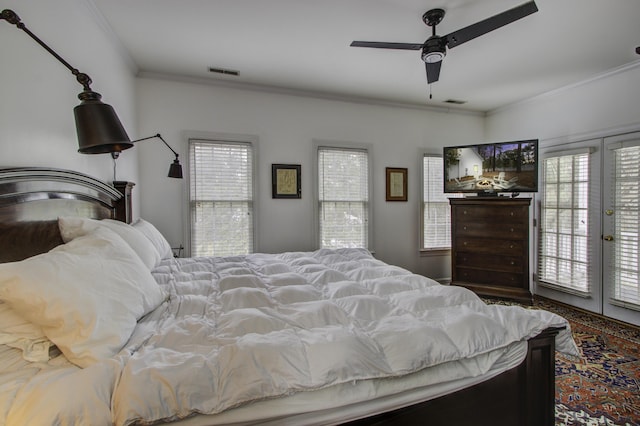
17, 332
73, 227
157, 239
87, 295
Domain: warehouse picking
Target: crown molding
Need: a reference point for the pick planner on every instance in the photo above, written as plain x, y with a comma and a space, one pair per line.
111, 35
551, 93
303, 93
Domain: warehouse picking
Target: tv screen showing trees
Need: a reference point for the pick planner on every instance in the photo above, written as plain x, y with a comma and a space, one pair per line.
492, 168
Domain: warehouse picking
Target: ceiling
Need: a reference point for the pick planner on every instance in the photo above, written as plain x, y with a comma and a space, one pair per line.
302, 46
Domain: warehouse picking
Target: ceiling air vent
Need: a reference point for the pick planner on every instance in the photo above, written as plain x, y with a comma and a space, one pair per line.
224, 71
455, 101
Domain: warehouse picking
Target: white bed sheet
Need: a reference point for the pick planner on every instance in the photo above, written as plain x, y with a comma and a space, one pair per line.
329, 406
353, 401
292, 312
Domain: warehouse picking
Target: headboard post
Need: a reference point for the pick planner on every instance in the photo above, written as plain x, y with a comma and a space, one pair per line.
124, 212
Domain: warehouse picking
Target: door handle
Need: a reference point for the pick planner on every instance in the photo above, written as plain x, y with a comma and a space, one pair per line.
608, 237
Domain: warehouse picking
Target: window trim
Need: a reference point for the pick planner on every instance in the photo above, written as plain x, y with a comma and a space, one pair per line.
224, 138
319, 143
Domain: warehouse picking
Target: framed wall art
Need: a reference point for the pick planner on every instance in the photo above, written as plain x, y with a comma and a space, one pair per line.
285, 181
396, 184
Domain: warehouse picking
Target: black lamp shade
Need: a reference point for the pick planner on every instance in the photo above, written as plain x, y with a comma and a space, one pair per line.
175, 170
98, 127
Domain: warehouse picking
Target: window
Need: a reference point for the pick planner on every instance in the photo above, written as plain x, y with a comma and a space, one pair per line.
221, 197
343, 197
436, 211
565, 251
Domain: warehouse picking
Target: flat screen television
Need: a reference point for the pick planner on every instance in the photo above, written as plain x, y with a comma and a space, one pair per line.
492, 168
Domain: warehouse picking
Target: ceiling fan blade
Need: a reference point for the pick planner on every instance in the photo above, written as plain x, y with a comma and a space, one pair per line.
433, 71
383, 45
479, 28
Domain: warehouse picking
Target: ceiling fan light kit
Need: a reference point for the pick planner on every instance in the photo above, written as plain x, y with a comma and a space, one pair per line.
433, 57
434, 49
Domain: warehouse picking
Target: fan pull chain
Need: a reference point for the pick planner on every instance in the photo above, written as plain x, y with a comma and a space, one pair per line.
430, 92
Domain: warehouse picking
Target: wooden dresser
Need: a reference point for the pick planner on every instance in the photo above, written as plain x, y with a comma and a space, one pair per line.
490, 246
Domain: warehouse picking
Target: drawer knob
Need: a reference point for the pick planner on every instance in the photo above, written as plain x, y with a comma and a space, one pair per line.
511, 246
512, 213
464, 244
513, 263
464, 227
464, 212
511, 229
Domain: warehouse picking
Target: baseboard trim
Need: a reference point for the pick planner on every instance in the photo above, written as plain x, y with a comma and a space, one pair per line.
584, 311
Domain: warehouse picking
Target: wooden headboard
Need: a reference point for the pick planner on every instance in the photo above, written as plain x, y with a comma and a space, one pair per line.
32, 199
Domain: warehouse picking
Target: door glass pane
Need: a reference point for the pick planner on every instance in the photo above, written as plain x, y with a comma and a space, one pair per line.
564, 251
625, 272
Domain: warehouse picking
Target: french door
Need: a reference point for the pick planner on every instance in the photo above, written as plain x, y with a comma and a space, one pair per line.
588, 226
621, 228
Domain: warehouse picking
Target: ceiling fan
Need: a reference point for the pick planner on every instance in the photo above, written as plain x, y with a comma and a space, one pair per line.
435, 48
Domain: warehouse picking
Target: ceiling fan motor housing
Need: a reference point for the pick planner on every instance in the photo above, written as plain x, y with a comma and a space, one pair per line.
434, 50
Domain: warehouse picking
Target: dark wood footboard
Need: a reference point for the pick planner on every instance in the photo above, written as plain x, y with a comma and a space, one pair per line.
522, 396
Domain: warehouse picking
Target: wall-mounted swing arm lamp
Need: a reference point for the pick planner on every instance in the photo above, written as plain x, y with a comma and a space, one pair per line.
175, 170
98, 127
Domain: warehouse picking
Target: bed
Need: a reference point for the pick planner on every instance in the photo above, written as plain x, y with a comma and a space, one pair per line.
102, 325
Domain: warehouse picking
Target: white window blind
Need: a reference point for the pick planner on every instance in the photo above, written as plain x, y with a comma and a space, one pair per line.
564, 249
343, 197
436, 211
221, 198
625, 262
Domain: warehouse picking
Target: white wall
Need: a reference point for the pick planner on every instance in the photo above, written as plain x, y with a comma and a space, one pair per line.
38, 93
286, 127
596, 107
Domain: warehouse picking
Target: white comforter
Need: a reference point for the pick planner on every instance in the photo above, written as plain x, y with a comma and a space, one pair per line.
242, 329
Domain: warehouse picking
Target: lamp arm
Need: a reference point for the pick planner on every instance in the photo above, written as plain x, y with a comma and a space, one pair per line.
11, 17
165, 142
157, 135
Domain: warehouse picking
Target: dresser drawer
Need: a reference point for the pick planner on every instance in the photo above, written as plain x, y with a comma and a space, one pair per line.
491, 246
485, 214
490, 262
495, 229
478, 276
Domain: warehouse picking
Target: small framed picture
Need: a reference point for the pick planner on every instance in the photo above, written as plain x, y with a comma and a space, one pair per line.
396, 184
285, 181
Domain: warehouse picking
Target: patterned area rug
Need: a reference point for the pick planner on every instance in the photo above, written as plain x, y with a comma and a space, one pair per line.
603, 387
